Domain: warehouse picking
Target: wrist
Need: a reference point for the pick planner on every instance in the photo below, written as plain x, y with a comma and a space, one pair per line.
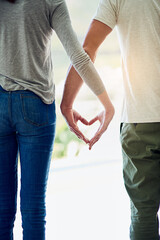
110, 109
64, 107
105, 100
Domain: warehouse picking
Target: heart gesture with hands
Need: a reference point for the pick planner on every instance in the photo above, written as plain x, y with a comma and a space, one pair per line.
72, 117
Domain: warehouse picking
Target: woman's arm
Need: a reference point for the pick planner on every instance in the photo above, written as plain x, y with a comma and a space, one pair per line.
81, 61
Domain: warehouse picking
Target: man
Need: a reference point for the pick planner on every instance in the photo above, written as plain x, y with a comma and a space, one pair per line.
138, 27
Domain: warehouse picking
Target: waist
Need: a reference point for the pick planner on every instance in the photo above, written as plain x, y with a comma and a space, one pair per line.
16, 91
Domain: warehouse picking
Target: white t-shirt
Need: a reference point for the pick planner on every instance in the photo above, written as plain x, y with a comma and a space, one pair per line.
138, 27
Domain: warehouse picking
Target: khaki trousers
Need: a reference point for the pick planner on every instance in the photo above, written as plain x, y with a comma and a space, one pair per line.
141, 171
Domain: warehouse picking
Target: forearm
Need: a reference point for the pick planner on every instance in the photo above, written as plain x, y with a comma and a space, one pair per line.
72, 86
74, 82
106, 102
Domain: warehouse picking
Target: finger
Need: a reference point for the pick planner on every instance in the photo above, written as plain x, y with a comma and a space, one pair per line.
102, 128
84, 121
95, 138
73, 127
82, 137
78, 117
93, 141
93, 120
79, 134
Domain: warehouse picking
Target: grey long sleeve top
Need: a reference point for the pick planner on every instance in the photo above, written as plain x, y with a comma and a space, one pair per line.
26, 29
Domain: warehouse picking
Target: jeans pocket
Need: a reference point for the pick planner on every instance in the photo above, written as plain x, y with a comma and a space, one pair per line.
34, 110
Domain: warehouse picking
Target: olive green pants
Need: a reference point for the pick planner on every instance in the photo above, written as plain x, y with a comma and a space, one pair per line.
141, 172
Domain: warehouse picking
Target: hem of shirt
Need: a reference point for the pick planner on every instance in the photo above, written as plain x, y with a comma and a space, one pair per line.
152, 120
104, 21
21, 88
99, 91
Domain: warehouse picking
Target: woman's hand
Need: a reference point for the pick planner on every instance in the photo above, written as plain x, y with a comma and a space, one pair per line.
104, 118
72, 117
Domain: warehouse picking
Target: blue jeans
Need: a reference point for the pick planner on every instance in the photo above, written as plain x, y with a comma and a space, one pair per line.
27, 127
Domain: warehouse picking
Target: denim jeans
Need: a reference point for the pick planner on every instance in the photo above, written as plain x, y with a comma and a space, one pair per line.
27, 128
141, 171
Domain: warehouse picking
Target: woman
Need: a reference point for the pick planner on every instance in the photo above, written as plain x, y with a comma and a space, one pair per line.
27, 105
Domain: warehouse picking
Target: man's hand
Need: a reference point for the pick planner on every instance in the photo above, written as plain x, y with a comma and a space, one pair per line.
72, 117
104, 118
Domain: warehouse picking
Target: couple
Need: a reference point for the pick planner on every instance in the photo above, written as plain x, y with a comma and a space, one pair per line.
27, 104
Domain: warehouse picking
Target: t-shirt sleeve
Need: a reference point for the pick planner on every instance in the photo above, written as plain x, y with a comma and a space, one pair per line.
106, 13
60, 22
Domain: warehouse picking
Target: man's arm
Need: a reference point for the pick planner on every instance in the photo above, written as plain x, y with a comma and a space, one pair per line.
94, 38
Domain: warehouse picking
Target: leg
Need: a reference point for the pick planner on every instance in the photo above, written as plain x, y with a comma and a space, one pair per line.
8, 171
8, 185
35, 155
141, 156
35, 139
